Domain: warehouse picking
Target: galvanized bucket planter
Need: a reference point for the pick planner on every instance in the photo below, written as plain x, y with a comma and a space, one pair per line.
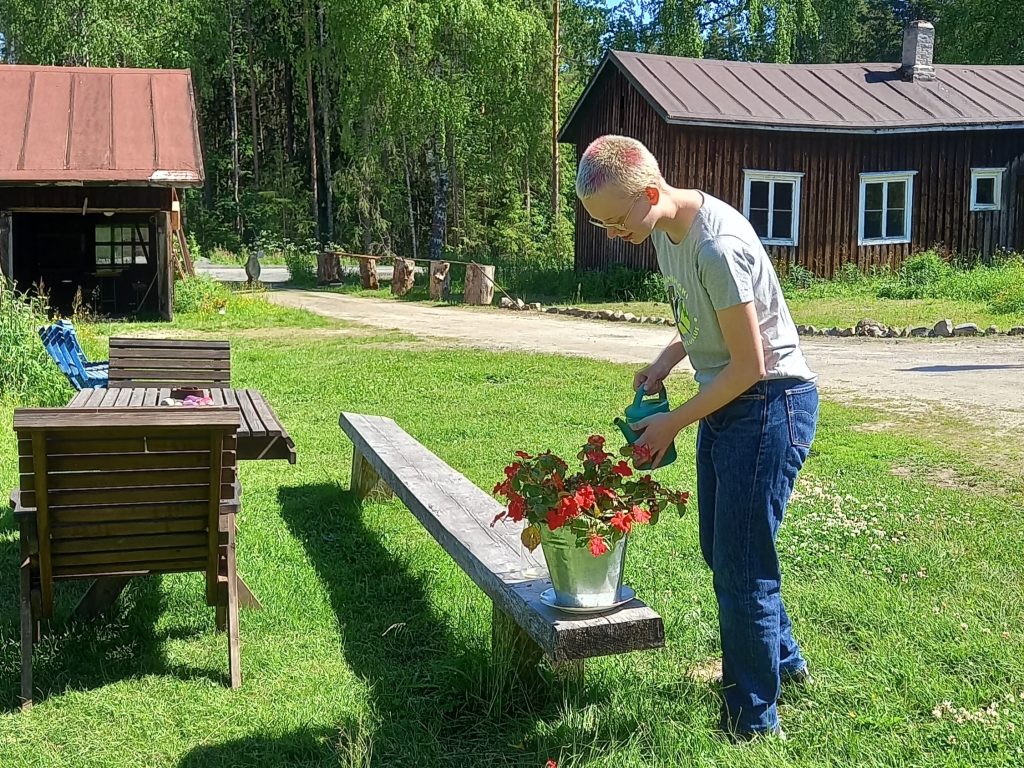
581, 580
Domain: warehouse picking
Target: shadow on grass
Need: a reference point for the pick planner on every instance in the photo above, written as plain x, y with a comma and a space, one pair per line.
439, 699
306, 748
76, 655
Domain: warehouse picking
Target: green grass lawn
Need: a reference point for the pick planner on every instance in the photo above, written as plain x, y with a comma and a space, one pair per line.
372, 648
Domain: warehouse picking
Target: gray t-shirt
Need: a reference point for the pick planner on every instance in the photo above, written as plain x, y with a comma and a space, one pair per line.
719, 264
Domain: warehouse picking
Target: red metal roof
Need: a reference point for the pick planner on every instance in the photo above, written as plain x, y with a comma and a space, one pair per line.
78, 124
844, 98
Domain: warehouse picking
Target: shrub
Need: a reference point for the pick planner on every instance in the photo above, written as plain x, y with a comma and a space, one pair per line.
200, 295
28, 376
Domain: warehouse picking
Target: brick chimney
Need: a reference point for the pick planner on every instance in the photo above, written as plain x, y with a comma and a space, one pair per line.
918, 51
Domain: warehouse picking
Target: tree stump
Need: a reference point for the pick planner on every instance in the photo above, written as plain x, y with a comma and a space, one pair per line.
368, 272
328, 268
479, 284
402, 278
440, 280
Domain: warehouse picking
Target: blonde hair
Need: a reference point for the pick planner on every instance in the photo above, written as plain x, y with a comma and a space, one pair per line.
618, 160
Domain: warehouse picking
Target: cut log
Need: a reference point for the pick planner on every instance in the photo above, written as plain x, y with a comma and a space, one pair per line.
404, 274
368, 272
328, 268
479, 284
440, 280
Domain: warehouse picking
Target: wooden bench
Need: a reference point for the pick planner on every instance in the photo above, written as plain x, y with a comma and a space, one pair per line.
140, 362
458, 515
121, 492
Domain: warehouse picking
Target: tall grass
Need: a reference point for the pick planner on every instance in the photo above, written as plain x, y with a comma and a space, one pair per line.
27, 376
927, 275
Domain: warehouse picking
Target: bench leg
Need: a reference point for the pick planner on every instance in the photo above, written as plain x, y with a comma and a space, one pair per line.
101, 595
515, 653
570, 674
366, 483
28, 632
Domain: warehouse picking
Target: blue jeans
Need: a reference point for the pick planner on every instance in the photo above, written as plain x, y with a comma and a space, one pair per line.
748, 456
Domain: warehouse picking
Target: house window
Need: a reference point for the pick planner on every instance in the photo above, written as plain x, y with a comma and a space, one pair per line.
121, 246
986, 189
771, 203
885, 207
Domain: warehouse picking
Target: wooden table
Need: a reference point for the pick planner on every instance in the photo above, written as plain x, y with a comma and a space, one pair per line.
260, 434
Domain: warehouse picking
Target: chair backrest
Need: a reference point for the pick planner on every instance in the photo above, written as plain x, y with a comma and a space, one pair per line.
49, 335
126, 490
54, 338
136, 362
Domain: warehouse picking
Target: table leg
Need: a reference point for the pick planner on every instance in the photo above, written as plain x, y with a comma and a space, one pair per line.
101, 595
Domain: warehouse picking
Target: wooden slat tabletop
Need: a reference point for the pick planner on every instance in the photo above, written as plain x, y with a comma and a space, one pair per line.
260, 432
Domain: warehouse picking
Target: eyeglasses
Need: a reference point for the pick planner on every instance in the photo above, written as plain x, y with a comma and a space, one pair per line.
620, 222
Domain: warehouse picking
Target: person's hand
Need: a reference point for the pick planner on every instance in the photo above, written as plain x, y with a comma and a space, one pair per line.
650, 378
657, 433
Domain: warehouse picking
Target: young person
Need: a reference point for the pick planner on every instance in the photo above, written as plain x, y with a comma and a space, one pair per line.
757, 405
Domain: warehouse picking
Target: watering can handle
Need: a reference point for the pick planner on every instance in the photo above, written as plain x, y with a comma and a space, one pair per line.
640, 394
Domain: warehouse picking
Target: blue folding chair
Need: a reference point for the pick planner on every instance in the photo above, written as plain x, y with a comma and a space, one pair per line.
61, 343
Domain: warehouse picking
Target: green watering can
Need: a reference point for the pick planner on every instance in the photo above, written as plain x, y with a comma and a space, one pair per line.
641, 408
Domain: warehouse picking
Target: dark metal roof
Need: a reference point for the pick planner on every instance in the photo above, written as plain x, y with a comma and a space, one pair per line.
77, 124
844, 98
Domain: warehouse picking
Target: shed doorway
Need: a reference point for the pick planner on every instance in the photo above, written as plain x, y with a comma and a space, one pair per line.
107, 262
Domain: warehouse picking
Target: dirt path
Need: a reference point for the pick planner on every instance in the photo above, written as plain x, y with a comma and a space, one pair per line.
982, 379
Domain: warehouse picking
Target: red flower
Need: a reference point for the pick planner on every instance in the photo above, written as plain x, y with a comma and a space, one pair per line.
550, 764
585, 497
622, 520
556, 519
498, 517
597, 456
608, 493
556, 480
517, 508
622, 469
597, 440
561, 514
598, 546
640, 515
504, 488
512, 470
568, 506
641, 454
523, 455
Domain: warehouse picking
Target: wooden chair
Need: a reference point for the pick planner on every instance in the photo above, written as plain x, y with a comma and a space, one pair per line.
120, 492
139, 362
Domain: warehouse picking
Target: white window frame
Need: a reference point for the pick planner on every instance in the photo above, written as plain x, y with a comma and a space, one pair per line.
788, 177
996, 174
887, 176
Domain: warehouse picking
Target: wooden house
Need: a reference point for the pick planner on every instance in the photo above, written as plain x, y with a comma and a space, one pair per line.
90, 166
831, 163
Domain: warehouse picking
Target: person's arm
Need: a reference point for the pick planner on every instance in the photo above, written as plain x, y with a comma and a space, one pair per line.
725, 268
653, 376
742, 335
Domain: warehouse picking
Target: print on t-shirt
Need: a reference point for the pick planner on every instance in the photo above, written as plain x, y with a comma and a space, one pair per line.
689, 328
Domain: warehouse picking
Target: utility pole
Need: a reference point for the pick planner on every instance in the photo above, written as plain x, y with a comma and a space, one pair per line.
555, 195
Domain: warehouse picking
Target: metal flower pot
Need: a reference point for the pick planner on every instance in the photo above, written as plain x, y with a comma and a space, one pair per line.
581, 580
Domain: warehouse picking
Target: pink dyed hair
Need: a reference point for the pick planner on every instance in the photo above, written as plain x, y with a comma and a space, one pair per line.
618, 160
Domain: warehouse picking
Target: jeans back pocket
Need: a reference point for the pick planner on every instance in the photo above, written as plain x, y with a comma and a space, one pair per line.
802, 410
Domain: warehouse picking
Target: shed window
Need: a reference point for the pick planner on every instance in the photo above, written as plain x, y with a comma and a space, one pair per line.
771, 202
986, 189
885, 207
121, 246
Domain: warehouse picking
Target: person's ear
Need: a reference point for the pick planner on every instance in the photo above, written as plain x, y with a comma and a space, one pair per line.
653, 195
